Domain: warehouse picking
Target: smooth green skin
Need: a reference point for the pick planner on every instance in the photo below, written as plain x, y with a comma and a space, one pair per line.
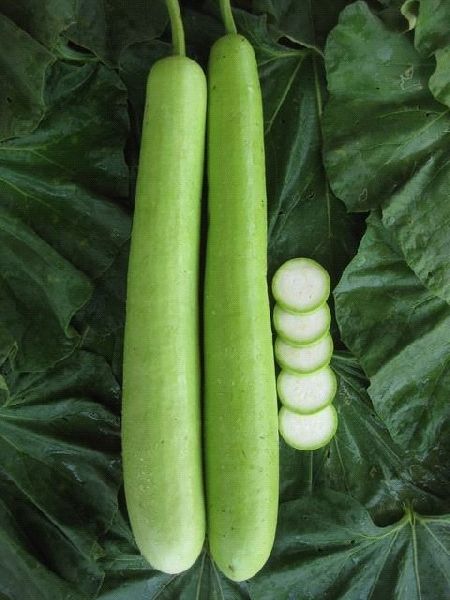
241, 426
161, 433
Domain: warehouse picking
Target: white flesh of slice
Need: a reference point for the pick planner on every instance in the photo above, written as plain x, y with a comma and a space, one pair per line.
301, 328
304, 359
301, 284
308, 432
307, 393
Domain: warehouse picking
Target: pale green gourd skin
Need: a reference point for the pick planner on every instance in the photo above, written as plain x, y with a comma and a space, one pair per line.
161, 433
241, 423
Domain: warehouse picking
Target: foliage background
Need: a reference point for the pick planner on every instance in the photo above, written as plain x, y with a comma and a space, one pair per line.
356, 101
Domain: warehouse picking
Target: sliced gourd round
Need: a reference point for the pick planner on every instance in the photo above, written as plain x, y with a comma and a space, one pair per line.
301, 285
306, 358
307, 393
301, 328
308, 432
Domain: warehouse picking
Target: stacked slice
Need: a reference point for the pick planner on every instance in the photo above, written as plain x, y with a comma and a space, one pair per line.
303, 349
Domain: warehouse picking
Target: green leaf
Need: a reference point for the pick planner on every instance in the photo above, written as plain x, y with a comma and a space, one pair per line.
386, 139
361, 460
59, 476
18, 563
40, 294
58, 226
440, 80
418, 218
376, 122
409, 10
43, 20
432, 30
305, 23
432, 35
328, 547
101, 321
23, 67
108, 28
103, 28
400, 332
305, 219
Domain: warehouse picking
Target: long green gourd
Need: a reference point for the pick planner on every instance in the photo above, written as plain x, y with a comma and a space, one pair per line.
240, 396
161, 431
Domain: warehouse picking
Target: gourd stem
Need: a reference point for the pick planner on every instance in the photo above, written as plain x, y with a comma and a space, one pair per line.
176, 25
227, 16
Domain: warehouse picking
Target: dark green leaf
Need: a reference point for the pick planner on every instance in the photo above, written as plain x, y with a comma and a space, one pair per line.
400, 332
432, 29
18, 563
410, 10
39, 295
440, 80
43, 20
432, 35
387, 139
303, 22
23, 67
328, 547
103, 28
58, 226
59, 476
371, 71
108, 28
101, 321
362, 459
305, 219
